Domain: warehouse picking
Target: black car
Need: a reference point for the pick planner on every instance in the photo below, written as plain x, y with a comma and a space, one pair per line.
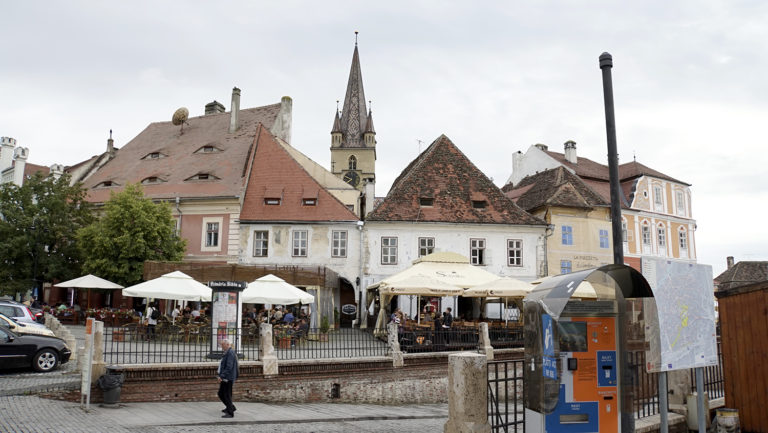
42, 352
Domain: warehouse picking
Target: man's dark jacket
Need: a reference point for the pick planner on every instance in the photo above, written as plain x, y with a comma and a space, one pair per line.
229, 366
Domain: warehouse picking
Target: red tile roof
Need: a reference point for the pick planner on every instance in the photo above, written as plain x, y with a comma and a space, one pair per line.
274, 173
31, 169
180, 162
586, 168
555, 187
443, 173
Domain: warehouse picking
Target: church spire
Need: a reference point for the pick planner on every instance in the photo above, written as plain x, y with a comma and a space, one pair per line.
353, 114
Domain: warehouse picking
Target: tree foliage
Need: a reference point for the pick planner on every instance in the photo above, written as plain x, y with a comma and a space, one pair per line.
38, 225
132, 230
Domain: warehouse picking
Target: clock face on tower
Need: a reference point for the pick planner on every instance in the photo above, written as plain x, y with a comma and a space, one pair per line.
352, 178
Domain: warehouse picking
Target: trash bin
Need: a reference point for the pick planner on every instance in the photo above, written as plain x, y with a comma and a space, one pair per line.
111, 383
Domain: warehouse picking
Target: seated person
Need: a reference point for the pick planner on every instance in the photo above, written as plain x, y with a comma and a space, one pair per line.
288, 317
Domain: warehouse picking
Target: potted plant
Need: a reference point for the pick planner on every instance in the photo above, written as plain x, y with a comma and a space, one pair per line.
324, 327
336, 318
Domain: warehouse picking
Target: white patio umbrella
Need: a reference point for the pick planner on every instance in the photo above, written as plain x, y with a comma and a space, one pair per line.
175, 285
89, 282
505, 287
270, 289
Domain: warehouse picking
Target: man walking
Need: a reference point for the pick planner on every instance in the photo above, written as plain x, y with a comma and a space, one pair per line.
228, 371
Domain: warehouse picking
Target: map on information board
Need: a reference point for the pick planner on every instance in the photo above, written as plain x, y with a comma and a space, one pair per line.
680, 325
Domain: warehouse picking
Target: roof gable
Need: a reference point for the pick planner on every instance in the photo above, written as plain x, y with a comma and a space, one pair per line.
280, 189
555, 187
178, 158
442, 185
742, 274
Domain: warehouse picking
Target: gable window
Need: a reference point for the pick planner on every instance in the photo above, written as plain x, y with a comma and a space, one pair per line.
567, 235
260, 243
271, 201
604, 243
680, 201
426, 201
352, 162
477, 251
211, 236
479, 204
309, 202
514, 252
388, 250
300, 243
565, 267
658, 199
426, 246
339, 244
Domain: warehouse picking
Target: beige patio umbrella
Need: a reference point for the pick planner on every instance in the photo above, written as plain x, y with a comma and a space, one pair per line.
504, 287
89, 282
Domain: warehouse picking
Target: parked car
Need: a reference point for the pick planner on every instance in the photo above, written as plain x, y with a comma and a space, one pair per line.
24, 328
41, 352
16, 311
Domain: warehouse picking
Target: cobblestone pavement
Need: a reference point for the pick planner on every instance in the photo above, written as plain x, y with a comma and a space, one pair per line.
31, 414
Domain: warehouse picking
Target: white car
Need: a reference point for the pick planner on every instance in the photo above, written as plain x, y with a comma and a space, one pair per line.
24, 327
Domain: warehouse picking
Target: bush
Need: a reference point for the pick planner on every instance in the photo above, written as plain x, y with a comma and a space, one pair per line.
324, 325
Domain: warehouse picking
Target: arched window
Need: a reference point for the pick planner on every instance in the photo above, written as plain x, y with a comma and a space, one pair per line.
352, 162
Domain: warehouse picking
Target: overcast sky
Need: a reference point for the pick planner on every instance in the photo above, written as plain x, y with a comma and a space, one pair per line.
689, 79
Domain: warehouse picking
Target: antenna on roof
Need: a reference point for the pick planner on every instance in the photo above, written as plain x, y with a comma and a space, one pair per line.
337, 105
110, 134
634, 157
355, 37
370, 105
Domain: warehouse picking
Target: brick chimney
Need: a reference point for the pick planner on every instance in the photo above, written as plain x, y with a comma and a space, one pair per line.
214, 107
234, 115
729, 262
570, 152
110, 144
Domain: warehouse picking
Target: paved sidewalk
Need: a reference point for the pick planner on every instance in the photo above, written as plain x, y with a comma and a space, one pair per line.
34, 414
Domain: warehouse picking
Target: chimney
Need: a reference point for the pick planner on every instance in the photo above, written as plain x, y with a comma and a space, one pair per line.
57, 170
282, 126
214, 107
110, 144
543, 147
570, 152
20, 154
6, 152
729, 262
234, 115
517, 159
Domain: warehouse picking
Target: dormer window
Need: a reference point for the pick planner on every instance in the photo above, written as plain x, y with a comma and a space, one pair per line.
272, 201
106, 184
426, 201
208, 148
151, 180
154, 155
479, 204
309, 202
202, 177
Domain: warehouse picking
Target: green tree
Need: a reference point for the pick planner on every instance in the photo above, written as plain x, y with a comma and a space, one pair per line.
38, 225
132, 230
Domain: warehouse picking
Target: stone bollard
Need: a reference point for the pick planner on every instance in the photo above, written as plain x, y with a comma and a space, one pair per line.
394, 345
99, 366
485, 341
268, 357
467, 394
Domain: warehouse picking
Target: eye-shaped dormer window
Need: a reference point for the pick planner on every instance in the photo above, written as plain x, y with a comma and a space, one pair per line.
154, 155
202, 177
209, 148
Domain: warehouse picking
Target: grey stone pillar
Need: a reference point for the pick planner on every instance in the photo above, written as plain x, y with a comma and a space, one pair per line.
467, 394
485, 341
99, 366
268, 357
394, 345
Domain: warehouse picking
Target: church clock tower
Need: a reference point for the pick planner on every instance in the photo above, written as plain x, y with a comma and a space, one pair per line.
353, 139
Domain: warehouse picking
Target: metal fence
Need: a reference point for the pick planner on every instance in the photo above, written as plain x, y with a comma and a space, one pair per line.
714, 382
505, 396
339, 343
646, 395
414, 340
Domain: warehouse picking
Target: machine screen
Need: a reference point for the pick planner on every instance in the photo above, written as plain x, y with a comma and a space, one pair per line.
572, 336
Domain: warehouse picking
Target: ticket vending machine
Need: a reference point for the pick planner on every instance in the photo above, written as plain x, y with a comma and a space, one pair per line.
572, 372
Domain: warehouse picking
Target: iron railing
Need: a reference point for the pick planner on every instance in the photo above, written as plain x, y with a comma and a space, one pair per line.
413, 340
505, 396
133, 344
646, 386
338, 343
714, 382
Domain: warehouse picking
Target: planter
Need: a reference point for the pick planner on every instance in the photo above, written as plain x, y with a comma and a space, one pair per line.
284, 343
323, 336
118, 335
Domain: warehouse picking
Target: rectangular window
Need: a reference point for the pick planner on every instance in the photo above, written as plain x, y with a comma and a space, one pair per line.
300, 243
662, 236
683, 240
388, 251
271, 201
646, 235
565, 266
339, 244
477, 251
658, 199
514, 252
680, 199
624, 231
567, 235
426, 246
309, 202
604, 243
260, 243
479, 204
426, 201
212, 234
